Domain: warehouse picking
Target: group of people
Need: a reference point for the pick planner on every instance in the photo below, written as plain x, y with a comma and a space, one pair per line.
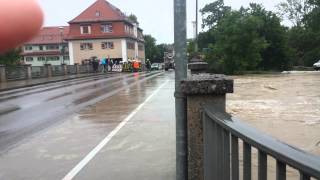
106, 63
109, 65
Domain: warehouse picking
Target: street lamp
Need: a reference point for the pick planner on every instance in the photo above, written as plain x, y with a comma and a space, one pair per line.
61, 29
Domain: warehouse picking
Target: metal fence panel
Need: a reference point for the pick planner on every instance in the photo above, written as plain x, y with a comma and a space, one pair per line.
39, 72
71, 69
16, 73
57, 71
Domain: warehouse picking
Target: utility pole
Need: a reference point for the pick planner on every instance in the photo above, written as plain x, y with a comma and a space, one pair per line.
196, 39
180, 47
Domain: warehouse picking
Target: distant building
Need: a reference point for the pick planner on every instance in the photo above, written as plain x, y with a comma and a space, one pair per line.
101, 31
104, 31
49, 47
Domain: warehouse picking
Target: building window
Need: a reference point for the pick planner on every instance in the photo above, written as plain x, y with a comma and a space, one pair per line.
85, 29
41, 58
29, 59
141, 47
66, 58
52, 47
140, 35
130, 45
106, 28
53, 58
98, 13
86, 46
128, 29
28, 48
107, 45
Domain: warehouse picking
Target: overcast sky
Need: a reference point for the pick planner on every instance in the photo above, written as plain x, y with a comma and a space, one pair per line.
155, 16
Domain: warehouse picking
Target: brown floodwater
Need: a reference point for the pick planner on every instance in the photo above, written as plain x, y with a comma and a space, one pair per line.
285, 106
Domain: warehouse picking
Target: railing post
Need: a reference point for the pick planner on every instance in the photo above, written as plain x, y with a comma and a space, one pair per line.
77, 68
88, 68
29, 71
64, 69
48, 69
202, 89
3, 77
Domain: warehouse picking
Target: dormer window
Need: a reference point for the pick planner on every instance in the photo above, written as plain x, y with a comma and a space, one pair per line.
85, 29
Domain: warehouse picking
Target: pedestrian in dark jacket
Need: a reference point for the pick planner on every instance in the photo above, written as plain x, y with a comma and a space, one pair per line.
110, 64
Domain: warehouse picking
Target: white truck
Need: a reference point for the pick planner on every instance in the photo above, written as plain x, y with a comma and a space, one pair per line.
169, 61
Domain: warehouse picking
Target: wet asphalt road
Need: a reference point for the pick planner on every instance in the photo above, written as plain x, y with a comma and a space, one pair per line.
76, 122
24, 112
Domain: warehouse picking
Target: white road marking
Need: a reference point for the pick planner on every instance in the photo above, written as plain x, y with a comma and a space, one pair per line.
105, 141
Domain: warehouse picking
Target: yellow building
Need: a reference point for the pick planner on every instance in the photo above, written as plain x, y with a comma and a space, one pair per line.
103, 31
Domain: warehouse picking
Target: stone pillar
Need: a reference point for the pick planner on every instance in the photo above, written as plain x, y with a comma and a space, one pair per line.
29, 71
48, 68
3, 77
198, 67
64, 69
76, 65
202, 89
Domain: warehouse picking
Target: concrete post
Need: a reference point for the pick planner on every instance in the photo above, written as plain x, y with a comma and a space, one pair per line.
197, 65
64, 69
77, 68
48, 68
29, 71
202, 89
3, 77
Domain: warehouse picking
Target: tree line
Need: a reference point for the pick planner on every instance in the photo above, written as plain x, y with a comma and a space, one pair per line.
253, 38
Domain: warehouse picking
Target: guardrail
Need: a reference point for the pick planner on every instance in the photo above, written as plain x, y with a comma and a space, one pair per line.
215, 138
24, 72
221, 150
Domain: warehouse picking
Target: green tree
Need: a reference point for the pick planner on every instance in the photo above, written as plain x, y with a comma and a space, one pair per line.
294, 10
239, 45
312, 19
278, 55
191, 48
205, 39
304, 36
11, 57
161, 49
151, 49
212, 13
133, 18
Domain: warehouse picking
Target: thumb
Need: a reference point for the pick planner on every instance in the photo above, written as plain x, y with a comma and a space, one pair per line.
20, 20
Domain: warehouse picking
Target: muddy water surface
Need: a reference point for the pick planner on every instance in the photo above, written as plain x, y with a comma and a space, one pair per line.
285, 106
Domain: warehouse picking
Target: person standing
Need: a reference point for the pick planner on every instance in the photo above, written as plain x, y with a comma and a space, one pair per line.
148, 64
110, 64
104, 67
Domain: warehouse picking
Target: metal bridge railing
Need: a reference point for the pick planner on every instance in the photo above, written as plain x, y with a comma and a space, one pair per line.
221, 135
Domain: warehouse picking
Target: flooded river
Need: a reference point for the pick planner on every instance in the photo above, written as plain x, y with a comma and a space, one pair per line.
285, 106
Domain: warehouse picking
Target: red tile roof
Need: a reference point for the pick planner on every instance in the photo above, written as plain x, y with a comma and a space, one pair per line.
50, 35
101, 10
